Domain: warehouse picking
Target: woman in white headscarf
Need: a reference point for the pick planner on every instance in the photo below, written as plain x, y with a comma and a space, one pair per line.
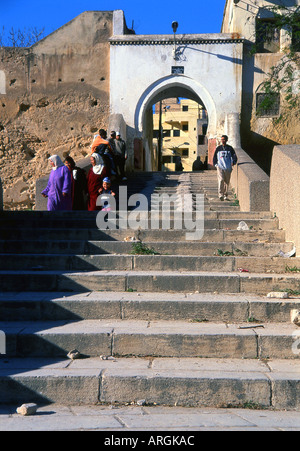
94, 180
59, 189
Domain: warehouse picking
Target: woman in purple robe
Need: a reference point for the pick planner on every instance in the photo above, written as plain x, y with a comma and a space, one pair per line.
59, 189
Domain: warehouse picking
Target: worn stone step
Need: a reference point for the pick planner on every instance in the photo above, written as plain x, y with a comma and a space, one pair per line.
200, 307
24, 215
243, 215
82, 224
124, 262
206, 383
223, 207
171, 382
33, 216
148, 281
81, 247
183, 328
270, 236
149, 338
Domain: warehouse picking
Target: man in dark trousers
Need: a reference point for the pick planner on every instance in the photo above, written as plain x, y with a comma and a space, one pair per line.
224, 160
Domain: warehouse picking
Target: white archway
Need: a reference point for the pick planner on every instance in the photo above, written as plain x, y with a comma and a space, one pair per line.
207, 69
179, 86
195, 90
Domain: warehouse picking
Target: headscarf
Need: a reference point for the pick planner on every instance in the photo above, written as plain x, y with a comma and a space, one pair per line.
99, 166
57, 162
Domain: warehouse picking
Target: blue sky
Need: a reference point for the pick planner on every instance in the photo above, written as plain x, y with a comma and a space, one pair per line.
150, 17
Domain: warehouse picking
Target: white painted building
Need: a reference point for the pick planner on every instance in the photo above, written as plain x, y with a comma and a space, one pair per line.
144, 70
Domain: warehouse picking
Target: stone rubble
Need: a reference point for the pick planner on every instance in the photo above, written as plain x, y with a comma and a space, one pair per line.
27, 410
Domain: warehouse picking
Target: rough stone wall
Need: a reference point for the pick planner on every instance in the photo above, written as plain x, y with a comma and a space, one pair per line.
260, 135
56, 98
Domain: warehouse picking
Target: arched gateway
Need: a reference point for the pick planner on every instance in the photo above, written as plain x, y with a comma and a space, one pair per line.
147, 69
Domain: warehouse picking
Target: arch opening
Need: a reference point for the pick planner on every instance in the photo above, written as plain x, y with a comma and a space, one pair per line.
175, 119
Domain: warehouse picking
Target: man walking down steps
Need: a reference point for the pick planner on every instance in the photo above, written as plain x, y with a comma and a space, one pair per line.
224, 160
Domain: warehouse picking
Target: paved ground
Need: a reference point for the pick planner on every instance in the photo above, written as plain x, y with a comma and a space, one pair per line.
132, 418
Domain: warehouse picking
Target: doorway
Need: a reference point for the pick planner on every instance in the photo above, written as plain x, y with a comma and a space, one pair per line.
175, 119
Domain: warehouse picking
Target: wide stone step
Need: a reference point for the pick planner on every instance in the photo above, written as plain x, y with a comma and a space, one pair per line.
81, 247
270, 236
182, 263
197, 308
149, 338
171, 382
45, 216
222, 224
149, 281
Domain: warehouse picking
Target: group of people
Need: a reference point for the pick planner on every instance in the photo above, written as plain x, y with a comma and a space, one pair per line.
69, 188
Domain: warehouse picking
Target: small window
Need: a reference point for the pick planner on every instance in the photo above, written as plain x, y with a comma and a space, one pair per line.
176, 133
185, 108
167, 133
267, 105
185, 152
156, 134
185, 126
267, 36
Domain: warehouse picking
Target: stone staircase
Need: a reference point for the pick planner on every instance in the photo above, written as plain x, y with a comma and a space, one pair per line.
186, 324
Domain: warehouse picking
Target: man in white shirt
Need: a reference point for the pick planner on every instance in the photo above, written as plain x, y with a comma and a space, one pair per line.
224, 160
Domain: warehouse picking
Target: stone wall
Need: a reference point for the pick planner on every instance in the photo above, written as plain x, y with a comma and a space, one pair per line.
285, 190
56, 96
259, 135
251, 184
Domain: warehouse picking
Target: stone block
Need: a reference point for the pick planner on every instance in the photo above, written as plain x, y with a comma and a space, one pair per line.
27, 410
89, 338
180, 282
185, 340
81, 282
286, 388
190, 390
